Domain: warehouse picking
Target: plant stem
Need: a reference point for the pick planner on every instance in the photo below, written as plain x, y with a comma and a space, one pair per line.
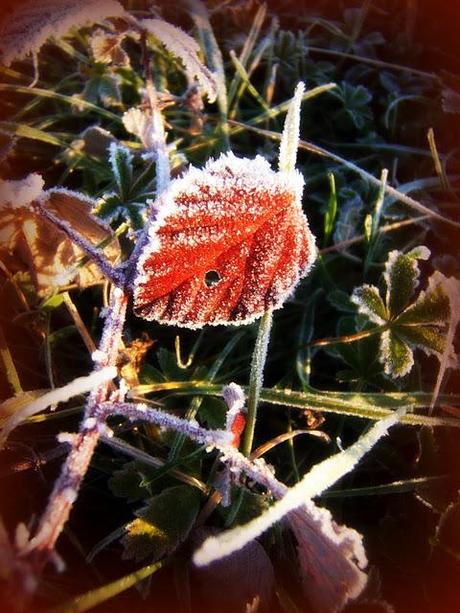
41, 545
8, 365
256, 378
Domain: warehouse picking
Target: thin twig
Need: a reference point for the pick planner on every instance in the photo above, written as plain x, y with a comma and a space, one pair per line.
41, 545
91, 250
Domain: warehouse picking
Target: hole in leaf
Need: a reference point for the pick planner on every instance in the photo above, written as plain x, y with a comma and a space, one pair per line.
211, 278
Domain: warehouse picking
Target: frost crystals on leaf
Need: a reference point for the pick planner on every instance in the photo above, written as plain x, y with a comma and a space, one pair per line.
427, 322
186, 48
239, 218
32, 23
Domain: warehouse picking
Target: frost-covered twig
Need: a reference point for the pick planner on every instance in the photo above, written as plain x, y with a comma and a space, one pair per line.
137, 412
96, 255
40, 547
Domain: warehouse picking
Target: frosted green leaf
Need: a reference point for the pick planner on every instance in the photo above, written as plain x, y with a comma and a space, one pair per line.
401, 277
369, 302
395, 355
121, 162
428, 323
428, 338
162, 525
431, 307
127, 482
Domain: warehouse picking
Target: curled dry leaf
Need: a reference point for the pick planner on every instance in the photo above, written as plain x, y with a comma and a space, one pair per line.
106, 48
331, 579
38, 246
32, 23
230, 241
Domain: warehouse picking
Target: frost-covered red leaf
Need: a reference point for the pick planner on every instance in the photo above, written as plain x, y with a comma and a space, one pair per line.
230, 242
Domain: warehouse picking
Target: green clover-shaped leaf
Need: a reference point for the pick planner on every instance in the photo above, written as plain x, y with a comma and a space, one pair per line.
426, 322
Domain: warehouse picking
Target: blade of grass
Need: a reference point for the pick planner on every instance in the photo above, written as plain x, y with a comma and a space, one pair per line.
365, 405
396, 487
246, 51
256, 379
374, 62
102, 594
25, 131
8, 365
49, 93
241, 71
436, 159
199, 14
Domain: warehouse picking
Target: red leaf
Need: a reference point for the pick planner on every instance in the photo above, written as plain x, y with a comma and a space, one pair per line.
231, 242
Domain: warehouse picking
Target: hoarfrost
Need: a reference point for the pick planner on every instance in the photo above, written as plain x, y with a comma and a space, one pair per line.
32, 23
239, 218
186, 48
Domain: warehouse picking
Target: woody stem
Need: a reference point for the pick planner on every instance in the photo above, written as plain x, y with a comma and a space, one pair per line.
256, 378
41, 546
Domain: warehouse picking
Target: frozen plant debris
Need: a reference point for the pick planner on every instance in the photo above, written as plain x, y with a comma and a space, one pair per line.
32, 23
235, 217
19, 194
186, 49
79, 385
332, 557
319, 479
37, 245
138, 122
106, 48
